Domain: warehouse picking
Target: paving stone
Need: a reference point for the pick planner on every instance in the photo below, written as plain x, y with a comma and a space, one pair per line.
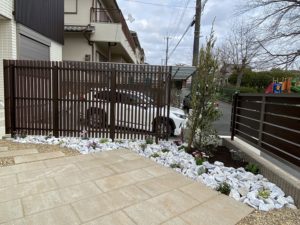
199, 192
174, 202
147, 213
10, 210
3, 149
113, 219
26, 189
8, 180
129, 165
220, 210
160, 208
21, 168
63, 215
69, 179
90, 164
131, 156
78, 192
45, 173
18, 152
99, 172
121, 180
157, 170
91, 208
36, 203
175, 221
38, 157
163, 184
67, 160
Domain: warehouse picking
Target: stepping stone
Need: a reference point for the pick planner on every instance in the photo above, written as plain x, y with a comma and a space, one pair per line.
3, 149
18, 152
38, 157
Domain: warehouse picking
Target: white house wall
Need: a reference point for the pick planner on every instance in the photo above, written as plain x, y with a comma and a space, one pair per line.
113, 33
55, 51
81, 16
76, 47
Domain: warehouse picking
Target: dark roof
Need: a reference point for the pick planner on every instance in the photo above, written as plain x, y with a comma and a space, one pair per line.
74, 28
182, 72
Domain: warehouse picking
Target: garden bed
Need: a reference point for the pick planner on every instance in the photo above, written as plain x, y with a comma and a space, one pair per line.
229, 177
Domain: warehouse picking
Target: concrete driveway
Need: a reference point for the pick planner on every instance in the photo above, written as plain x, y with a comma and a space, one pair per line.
116, 187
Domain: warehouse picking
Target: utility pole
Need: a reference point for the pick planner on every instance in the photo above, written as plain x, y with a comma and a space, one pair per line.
167, 51
197, 32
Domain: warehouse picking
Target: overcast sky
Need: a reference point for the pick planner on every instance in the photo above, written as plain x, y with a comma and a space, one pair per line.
157, 19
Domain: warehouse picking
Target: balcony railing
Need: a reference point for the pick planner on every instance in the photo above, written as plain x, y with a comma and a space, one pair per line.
100, 15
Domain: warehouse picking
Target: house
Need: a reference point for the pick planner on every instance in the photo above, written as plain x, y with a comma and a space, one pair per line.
96, 30
30, 30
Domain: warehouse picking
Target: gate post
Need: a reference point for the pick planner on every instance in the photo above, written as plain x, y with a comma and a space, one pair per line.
235, 98
113, 104
261, 121
12, 98
55, 100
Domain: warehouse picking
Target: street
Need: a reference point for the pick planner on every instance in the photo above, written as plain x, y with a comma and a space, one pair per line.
223, 124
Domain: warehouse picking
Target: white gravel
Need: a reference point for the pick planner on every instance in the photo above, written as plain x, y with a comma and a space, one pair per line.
245, 186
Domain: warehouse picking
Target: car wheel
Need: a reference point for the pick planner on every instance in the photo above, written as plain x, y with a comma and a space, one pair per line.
96, 119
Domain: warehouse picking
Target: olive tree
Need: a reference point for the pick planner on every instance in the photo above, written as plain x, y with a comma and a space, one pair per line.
204, 113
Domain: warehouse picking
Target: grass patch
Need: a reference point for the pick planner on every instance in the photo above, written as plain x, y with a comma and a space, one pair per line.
155, 155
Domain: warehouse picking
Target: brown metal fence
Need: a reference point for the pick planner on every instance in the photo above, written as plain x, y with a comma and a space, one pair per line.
108, 100
269, 122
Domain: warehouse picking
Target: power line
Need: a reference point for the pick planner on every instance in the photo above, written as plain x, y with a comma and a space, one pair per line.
181, 19
158, 4
187, 29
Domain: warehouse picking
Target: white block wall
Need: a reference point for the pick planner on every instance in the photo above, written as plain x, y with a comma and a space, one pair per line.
6, 8
8, 47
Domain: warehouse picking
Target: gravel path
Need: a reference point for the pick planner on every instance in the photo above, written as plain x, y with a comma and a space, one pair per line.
274, 217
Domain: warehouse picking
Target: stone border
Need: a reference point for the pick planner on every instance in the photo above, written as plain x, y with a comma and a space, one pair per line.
288, 183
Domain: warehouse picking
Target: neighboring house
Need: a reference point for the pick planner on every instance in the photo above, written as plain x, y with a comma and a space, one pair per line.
181, 83
95, 30
30, 30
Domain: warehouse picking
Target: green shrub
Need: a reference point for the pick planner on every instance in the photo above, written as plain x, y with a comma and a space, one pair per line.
182, 147
247, 90
175, 165
253, 168
155, 155
165, 150
103, 140
264, 193
199, 161
149, 140
224, 188
143, 146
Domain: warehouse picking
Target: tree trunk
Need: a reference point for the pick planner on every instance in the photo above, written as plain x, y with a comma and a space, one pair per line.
239, 79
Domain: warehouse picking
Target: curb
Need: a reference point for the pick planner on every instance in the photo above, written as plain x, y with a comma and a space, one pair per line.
287, 182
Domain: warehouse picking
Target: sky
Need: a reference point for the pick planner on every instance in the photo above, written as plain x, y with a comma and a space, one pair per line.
154, 20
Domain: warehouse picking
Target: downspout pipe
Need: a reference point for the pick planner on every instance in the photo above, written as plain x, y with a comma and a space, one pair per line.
91, 43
